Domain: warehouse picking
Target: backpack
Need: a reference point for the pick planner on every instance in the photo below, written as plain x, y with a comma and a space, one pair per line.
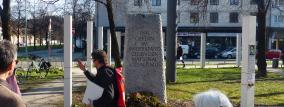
121, 87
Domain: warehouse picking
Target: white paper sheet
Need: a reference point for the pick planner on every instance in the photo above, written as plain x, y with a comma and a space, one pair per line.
93, 92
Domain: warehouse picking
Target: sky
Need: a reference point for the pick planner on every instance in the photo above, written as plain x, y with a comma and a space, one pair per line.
13, 2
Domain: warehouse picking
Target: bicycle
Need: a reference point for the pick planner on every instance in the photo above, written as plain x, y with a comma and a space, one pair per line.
39, 65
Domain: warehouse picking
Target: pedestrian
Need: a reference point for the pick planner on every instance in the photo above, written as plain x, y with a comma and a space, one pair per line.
180, 54
211, 98
105, 78
8, 59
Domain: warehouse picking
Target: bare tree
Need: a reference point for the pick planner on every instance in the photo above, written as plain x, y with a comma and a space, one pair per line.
114, 43
17, 20
262, 7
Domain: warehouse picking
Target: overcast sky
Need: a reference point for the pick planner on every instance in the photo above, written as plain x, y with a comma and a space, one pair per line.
13, 2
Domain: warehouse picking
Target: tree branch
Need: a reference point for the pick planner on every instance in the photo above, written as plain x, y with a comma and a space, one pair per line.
267, 5
101, 2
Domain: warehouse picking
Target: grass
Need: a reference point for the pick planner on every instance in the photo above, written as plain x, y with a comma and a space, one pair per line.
37, 48
268, 91
35, 80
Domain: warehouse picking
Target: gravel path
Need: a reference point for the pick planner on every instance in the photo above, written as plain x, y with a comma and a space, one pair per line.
51, 94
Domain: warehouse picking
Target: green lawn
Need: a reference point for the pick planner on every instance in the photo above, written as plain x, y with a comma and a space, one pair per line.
35, 80
269, 91
37, 48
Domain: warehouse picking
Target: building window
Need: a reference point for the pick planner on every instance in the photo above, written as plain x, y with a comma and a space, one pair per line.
253, 13
234, 2
214, 17
214, 2
234, 17
275, 19
253, 2
194, 17
156, 2
194, 2
138, 2
279, 19
279, 2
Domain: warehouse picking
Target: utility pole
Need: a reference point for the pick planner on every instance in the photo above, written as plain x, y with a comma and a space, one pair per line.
171, 40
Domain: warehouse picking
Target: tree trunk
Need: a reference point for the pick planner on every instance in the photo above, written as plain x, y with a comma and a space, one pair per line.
34, 33
40, 41
114, 44
261, 44
46, 42
34, 41
18, 36
6, 20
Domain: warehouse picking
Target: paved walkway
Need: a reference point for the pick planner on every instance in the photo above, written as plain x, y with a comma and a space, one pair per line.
279, 71
51, 94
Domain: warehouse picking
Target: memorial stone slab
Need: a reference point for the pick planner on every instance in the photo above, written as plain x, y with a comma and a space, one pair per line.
143, 55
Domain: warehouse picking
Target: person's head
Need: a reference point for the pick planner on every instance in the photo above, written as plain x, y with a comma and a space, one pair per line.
211, 98
8, 58
99, 58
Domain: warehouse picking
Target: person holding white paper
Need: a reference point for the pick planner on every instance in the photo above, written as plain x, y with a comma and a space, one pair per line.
104, 78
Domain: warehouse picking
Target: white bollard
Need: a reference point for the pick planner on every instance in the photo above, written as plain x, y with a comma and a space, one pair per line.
67, 61
239, 50
109, 46
202, 50
100, 38
248, 61
89, 44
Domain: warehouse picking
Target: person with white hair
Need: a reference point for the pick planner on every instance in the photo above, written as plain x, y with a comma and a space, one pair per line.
211, 98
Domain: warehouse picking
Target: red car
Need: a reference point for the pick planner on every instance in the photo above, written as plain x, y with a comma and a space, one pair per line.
271, 54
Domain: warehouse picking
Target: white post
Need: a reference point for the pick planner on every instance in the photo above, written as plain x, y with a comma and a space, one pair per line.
109, 46
239, 50
118, 36
248, 61
89, 44
67, 61
100, 38
202, 50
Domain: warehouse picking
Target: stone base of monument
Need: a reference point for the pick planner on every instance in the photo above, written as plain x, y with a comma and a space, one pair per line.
143, 60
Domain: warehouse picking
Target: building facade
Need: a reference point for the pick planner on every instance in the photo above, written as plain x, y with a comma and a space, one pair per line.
220, 19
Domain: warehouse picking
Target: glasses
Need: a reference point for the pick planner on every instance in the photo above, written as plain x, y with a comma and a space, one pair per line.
17, 61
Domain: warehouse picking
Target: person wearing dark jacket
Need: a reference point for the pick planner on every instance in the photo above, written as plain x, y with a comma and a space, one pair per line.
180, 54
105, 78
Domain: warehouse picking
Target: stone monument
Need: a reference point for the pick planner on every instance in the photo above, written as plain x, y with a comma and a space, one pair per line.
143, 55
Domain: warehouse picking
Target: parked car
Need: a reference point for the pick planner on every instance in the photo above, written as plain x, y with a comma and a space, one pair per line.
271, 54
211, 53
228, 53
